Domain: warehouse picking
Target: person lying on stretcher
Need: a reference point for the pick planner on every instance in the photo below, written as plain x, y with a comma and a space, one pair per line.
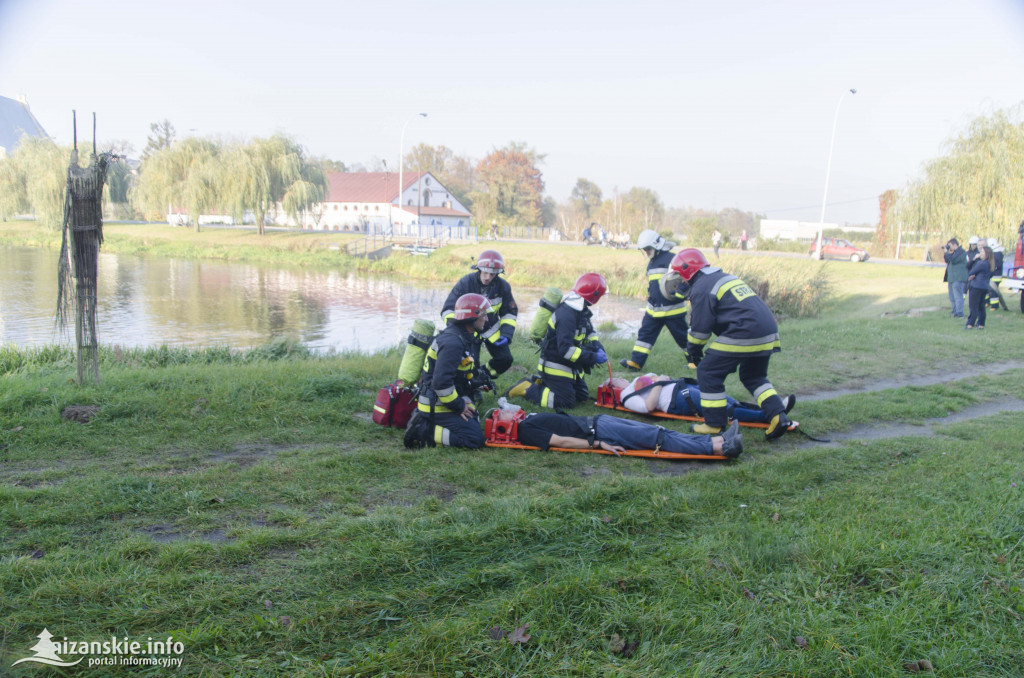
606, 432
660, 393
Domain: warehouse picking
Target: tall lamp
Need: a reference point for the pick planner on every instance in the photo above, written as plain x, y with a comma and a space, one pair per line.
828, 173
401, 158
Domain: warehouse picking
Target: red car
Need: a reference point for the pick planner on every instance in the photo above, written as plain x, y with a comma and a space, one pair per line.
838, 248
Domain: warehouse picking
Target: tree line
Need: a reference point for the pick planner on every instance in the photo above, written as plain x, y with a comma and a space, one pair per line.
976, 186
260, 177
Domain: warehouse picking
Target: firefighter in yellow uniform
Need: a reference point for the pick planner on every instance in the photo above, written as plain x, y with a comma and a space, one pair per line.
745, 333
445, 414
661, 312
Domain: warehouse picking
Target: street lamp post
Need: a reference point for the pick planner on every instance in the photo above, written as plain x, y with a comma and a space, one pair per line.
401, 159
828, 172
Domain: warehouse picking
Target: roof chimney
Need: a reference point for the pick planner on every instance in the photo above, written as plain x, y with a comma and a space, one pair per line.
22, 100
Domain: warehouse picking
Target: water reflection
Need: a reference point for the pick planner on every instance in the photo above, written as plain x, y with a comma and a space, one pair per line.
147, 301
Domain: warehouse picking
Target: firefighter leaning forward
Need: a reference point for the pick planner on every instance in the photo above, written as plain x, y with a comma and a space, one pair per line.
746, 334
569, 348
501, 320
445, 414
661, 311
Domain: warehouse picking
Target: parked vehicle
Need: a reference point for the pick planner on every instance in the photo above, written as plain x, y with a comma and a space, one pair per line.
838, 248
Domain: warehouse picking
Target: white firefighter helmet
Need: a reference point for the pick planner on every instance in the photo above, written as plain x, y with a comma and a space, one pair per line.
974, 240
649, 238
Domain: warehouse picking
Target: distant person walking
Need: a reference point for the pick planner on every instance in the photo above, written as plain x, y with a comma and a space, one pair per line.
716, 241
743, 240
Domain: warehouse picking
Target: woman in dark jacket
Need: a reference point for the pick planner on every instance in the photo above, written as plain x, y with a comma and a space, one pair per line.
977, 286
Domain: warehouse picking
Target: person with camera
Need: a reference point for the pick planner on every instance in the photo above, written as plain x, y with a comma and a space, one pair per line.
956, 275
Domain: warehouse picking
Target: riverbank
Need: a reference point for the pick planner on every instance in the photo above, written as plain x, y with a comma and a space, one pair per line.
245, 505
794, 287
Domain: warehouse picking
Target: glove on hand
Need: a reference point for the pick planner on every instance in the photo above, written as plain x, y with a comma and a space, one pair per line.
500, 341
600, 357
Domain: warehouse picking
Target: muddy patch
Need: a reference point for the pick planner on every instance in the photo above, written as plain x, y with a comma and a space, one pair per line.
165, 534
33, 483
249, 454
923, 380
409, 497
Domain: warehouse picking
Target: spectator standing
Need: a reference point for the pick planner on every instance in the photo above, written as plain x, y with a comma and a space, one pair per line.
977, 287
716, 241
972, 250
743, 240
955, 276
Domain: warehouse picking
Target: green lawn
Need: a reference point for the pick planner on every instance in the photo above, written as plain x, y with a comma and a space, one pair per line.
247, 507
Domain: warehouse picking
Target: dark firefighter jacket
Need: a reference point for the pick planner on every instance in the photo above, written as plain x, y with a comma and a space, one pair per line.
723, 305
447, 370
502, 318
657, 305
570, 344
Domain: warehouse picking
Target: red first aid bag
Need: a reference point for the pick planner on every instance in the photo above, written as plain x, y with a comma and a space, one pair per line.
394, 405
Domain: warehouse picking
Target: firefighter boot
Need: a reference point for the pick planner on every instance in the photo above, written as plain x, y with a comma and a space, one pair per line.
777, 427
705, 430
519, 389
630, 365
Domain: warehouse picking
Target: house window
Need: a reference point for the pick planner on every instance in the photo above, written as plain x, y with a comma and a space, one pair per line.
376, 208
335, 208
426, 197
345, 208
410, 202
428, 181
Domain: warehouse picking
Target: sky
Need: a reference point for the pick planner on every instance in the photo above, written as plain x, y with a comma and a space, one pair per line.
710, 104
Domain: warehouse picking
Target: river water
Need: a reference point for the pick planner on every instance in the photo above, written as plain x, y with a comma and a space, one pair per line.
149, 301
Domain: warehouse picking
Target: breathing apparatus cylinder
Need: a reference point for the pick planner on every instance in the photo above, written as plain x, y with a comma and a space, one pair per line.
416, 351
548, 303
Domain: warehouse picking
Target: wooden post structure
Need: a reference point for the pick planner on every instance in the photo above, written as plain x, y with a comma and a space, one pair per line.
77, 273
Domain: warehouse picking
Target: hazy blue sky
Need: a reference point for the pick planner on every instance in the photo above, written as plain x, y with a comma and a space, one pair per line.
711, 104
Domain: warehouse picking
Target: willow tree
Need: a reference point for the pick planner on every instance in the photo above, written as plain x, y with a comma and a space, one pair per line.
33, 179
266, 173
186, 174
13, 197
975, 188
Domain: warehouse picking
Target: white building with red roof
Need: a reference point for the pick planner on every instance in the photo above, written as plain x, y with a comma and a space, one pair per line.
371, 202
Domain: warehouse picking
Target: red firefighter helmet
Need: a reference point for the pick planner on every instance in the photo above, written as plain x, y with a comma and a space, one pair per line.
471, 306
490, 261
688, 262
590, 286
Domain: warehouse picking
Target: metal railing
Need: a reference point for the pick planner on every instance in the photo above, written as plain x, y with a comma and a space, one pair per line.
368, 245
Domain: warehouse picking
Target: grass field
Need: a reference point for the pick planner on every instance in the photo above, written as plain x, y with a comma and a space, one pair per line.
246, 506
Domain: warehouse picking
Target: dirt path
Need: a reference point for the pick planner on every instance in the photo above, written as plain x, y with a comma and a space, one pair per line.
923, 380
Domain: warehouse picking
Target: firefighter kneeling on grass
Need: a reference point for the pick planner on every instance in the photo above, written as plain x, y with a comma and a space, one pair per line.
501, 318
746, 335
569, 348
445, 414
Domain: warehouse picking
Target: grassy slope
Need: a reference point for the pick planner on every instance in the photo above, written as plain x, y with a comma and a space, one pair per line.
205, 488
